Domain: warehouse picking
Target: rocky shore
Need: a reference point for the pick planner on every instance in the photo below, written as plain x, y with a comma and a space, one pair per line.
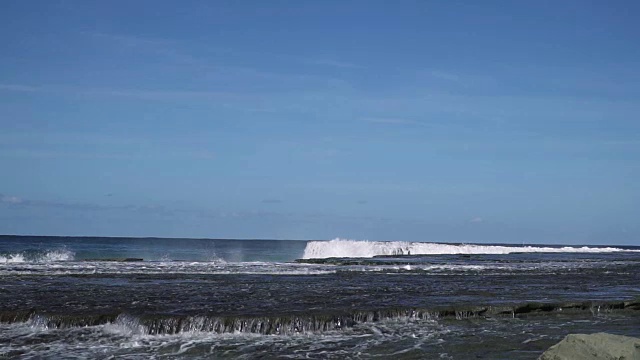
600, 346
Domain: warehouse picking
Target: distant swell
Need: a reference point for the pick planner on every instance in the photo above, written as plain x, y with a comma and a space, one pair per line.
37, 256
342, 248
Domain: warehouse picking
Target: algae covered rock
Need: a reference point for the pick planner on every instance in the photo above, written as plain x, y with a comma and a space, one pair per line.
600, 346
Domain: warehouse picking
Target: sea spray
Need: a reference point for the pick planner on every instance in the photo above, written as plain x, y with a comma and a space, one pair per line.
343, 248
37, 256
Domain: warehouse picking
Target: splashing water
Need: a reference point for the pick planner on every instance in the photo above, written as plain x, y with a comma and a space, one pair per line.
343, 248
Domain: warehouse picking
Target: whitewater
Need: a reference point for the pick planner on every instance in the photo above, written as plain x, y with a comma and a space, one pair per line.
345, 248
37, 256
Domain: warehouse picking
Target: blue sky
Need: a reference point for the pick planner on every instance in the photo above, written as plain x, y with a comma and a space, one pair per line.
462, 121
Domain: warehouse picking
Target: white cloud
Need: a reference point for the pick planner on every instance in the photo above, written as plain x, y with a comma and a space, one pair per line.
445, 75
126, 93
389, 121
10, 199
19, 88
476, 220
132, 41
334, 63
271, 201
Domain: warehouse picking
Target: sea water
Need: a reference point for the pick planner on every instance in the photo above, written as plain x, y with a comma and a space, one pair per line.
71, 297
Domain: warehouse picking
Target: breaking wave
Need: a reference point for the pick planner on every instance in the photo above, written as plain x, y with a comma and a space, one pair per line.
342, 248
37, 256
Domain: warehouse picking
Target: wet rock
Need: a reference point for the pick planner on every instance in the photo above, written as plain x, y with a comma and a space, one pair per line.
600, 346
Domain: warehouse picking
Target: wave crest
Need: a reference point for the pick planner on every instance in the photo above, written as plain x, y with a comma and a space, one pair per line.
343, 248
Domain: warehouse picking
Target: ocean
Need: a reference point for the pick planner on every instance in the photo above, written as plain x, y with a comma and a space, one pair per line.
141, 298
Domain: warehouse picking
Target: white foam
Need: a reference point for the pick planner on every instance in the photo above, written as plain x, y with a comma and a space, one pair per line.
168, 267
11, 258
343, 248
58, 255
47, 256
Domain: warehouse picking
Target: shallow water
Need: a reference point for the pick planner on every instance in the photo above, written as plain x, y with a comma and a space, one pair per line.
66, 297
